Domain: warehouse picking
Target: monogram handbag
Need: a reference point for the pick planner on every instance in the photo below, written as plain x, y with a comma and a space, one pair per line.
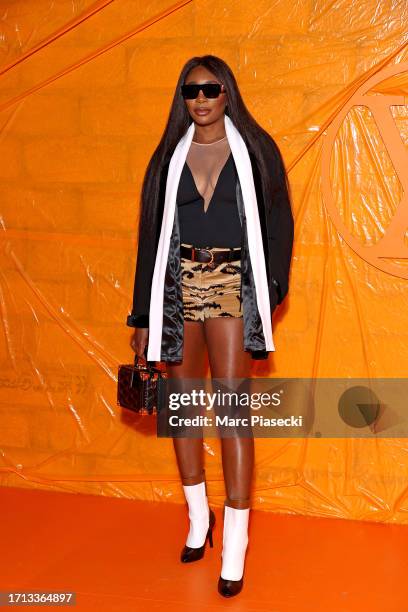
141, 386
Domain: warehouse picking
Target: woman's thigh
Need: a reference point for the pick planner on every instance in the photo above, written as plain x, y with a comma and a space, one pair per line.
194, 363
225, 344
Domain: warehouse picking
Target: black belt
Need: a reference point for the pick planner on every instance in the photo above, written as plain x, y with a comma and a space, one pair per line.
209, 255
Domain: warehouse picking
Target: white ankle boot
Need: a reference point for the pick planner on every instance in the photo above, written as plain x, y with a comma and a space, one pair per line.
198, 512
234, 542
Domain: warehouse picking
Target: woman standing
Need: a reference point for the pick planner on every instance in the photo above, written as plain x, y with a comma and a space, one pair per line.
215, 243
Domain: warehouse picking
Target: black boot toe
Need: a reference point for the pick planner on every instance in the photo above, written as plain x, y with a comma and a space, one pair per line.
229, 588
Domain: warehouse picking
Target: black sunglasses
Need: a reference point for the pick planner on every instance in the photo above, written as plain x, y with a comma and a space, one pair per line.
210, 90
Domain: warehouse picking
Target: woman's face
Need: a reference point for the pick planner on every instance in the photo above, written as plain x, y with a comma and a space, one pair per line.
205, 111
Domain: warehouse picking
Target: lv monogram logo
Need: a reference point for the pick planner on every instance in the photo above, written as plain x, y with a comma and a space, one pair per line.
392, 244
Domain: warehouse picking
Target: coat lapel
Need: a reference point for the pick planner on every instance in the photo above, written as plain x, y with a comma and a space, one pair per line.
156, 300
244, 169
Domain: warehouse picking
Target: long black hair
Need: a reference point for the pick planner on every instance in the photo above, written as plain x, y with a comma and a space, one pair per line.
258, 141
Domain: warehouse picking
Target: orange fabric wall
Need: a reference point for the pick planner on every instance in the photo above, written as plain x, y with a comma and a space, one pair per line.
84, 95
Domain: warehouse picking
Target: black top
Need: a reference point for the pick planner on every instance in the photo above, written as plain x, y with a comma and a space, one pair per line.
220, 225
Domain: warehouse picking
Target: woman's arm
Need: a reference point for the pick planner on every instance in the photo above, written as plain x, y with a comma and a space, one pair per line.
281, 233
139, 316
149, 233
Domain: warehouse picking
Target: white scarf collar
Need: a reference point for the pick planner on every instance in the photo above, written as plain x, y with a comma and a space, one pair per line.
244, 169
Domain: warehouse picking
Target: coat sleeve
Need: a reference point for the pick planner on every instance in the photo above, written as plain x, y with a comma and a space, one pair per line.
281, 231
139, 316
149, 233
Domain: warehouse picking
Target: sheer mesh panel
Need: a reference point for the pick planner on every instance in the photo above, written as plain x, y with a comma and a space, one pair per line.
206, 162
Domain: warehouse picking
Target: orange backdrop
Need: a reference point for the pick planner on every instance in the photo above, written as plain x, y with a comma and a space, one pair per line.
84, 96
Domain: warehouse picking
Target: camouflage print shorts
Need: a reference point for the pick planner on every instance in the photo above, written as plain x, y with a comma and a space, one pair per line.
211, 291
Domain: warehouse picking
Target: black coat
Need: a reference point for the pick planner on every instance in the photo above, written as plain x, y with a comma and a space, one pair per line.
277, 228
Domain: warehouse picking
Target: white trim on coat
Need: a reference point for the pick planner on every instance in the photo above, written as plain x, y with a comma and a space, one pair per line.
244, 169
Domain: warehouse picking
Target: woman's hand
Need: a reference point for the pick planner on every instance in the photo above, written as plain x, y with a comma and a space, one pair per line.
139, 340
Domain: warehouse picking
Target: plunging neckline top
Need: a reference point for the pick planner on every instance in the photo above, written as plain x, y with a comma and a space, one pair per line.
206, 197
206, 161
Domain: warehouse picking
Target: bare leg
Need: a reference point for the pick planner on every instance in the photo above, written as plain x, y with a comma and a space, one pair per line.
189, 451
228, 359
